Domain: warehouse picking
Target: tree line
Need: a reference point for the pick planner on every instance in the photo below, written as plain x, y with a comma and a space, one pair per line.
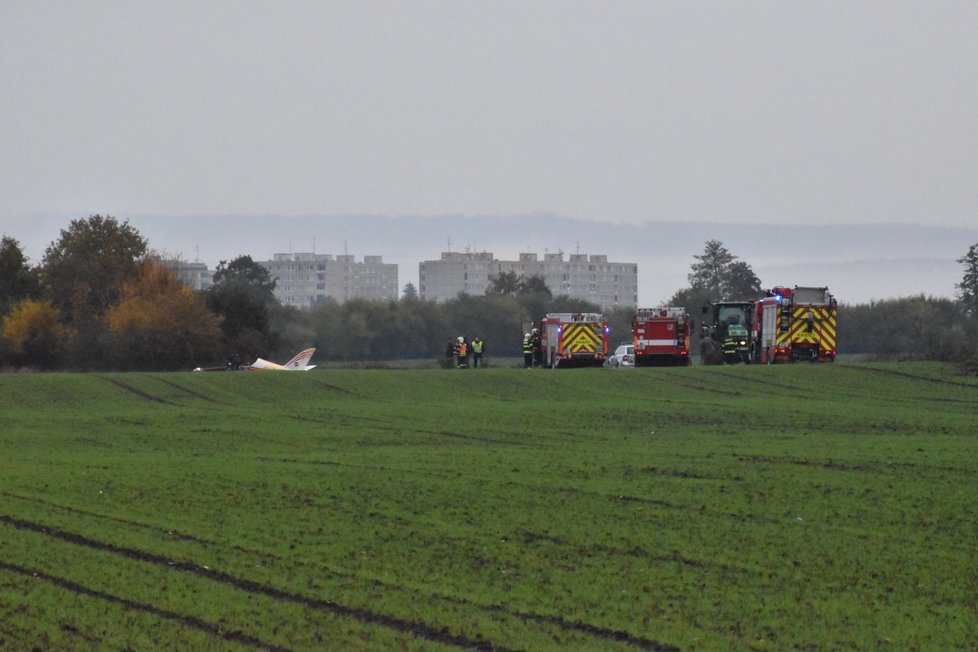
99, 301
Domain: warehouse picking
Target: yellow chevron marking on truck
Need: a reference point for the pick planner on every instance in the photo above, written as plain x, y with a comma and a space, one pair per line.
579, 338
822, 330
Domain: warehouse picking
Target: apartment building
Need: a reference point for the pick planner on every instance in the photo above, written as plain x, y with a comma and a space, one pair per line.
455, 272
589, 277
196, 276
306, 279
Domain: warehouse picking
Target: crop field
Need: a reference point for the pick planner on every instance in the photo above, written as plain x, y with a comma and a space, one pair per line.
816, 507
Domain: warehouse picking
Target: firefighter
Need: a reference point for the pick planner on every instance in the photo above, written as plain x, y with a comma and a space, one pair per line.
537, 347
478, 348
735, 348
463, 353
729, 350
527, 351
450, 351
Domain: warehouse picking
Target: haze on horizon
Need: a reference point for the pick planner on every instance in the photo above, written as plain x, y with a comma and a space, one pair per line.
630, 111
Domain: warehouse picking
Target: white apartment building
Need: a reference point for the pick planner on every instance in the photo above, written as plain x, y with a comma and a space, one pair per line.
455, 272
589, 277
306, 279
196, 276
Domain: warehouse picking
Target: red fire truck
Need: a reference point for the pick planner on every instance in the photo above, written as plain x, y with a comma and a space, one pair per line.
661, 336
793, 324
574, 339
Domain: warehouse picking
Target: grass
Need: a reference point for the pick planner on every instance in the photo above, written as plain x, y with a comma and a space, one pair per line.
801, 506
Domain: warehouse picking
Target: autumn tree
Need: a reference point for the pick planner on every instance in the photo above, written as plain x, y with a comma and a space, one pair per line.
17, 279
34, 334
84, 270
160, 323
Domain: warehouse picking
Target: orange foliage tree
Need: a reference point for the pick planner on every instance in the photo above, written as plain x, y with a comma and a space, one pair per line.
34, 334
160, 323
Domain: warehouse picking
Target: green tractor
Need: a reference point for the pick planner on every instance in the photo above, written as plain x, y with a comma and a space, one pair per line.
717, 336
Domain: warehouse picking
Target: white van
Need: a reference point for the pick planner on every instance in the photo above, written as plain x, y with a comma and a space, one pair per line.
624, 356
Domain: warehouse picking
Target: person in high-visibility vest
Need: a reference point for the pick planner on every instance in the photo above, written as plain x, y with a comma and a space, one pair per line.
463, 353
735, 344
527, 351
478, 348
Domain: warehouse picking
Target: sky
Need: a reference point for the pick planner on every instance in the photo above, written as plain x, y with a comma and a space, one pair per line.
629, 112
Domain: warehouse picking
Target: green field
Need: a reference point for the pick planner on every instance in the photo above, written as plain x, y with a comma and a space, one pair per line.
817, 507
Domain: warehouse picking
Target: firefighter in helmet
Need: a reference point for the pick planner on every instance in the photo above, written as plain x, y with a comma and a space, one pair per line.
536, 341
527, 351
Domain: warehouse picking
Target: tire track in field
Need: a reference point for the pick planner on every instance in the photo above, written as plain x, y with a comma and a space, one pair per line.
336, 388
114, 519
865, 467
187, 391
421, 630
135, 391
790, 389
702, 387
385, 426
905, 374
234, 636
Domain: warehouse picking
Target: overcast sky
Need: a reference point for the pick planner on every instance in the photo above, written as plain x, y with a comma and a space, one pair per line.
632, 111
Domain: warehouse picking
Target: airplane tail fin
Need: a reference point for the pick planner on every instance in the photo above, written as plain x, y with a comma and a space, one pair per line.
301, 360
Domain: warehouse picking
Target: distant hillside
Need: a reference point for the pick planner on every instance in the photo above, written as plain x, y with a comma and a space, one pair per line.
859, 262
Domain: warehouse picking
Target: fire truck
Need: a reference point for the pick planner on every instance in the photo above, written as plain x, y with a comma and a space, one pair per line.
718, 317
574, 339
661, 336
793, 324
